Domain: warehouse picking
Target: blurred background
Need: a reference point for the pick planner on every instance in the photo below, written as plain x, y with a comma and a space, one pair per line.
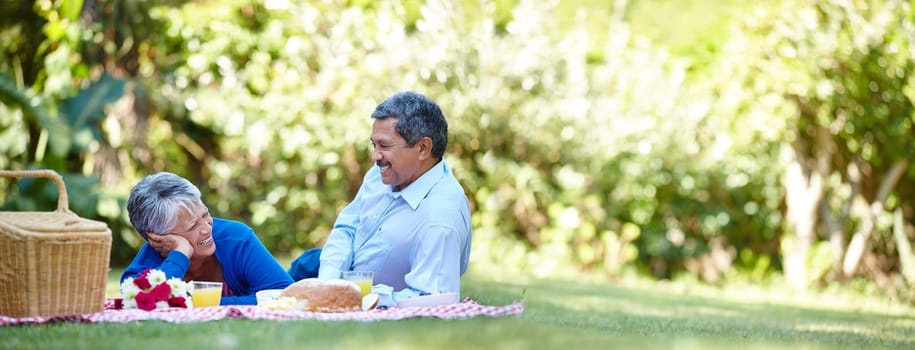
715, 141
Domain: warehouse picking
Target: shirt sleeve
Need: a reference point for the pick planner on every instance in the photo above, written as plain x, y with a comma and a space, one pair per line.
338, 250
260, 271
174, 265
436, 262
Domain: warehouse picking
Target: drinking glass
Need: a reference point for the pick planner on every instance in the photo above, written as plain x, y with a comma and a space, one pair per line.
363, 278
206, 294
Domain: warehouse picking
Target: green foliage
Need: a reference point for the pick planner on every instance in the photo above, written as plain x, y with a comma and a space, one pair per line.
579, 151
85, 111
53, 111
57, 132
843, 70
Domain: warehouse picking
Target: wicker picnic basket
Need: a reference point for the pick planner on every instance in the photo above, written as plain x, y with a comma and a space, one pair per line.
52, 263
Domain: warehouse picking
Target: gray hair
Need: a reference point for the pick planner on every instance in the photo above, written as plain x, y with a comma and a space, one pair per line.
154, 202
417, 117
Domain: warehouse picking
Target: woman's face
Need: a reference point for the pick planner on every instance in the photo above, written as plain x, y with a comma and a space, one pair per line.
196, 226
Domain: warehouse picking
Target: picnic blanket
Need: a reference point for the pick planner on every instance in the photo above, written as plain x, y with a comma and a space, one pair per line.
463, 310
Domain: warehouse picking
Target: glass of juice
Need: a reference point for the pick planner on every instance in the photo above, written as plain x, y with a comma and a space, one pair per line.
363, 278
206, 294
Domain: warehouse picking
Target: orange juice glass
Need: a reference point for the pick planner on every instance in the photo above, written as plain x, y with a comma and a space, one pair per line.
363, 278
206, 294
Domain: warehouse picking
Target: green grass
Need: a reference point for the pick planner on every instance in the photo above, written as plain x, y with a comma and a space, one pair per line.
558, 314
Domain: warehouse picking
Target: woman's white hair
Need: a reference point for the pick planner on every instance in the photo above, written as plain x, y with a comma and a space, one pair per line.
155, 201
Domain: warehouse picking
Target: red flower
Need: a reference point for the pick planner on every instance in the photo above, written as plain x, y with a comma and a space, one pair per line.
150, 297
142, 282
145, 301
177, 302
161, 292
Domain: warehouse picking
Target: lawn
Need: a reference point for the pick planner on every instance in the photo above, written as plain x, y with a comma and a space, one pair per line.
583, 314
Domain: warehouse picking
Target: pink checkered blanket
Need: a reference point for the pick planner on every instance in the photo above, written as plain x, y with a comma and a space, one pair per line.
463, 310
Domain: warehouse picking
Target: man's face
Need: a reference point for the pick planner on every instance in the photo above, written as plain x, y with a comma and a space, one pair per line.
399, 164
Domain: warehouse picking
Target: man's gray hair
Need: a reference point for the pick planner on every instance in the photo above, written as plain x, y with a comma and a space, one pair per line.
417, 117
155, 202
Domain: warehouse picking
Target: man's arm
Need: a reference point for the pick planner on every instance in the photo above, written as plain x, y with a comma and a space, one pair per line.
337, 253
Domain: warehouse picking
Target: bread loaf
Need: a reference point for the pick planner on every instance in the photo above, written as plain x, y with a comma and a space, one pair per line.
318, 295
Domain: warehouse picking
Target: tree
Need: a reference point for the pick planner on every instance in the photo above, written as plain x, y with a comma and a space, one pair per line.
845, 71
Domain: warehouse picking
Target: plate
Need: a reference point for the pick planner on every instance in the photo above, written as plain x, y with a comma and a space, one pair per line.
267, 295
429, 300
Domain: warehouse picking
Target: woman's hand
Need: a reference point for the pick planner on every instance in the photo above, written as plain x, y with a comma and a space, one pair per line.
164, 244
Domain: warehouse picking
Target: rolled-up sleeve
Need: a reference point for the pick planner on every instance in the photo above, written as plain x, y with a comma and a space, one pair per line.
337, 253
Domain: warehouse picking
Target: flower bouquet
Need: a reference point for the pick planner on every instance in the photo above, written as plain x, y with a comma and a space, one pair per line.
151, 290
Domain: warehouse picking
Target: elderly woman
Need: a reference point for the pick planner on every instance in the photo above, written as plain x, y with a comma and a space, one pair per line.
184, 241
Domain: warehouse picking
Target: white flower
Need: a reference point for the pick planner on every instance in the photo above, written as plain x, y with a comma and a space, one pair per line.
129, 303
130, 294
162, 305
155, 277
129, 288
179, 288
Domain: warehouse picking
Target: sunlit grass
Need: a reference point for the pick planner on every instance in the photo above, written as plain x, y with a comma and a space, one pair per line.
586, 313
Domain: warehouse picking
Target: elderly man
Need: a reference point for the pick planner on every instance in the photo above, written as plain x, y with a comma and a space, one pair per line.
410, 220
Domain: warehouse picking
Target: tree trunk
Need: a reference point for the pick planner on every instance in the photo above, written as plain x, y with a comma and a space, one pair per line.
903, 248
804, 189
836, 233
835, 222
803, 192
858, 242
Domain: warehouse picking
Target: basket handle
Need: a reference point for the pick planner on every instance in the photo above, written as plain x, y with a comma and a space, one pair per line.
62, 199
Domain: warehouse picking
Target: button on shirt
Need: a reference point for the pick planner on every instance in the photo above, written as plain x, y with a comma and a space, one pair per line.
416, 240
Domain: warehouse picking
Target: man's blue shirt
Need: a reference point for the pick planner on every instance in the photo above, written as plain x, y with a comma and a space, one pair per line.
416, 239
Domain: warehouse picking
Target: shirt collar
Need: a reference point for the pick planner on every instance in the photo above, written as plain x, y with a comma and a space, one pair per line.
416, 191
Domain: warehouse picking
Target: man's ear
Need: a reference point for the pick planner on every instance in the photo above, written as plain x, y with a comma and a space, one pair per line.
425, 148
